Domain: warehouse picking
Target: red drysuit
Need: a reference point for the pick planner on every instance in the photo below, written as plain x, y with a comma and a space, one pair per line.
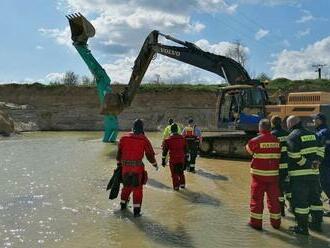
266, 153
176, 146
131, 150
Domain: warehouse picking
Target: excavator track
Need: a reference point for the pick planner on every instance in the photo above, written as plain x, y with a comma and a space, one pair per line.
225, 144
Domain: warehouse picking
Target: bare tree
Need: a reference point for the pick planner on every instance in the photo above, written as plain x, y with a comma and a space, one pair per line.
237, 52
263, 77
55, 82
70, 78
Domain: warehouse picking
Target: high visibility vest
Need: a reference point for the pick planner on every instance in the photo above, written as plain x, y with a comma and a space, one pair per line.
189, 131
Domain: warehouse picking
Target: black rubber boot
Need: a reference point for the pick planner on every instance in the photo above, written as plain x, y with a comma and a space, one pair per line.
137, 212
123, 205
299, 230
315, 226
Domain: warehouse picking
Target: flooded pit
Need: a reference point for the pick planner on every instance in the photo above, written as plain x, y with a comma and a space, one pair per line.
53, 195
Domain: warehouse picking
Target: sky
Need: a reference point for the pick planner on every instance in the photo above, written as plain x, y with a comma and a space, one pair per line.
282, 38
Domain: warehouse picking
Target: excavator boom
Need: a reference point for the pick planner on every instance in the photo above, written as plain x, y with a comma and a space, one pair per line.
188, 53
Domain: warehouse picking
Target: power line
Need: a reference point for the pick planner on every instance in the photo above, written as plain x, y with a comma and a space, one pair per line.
254, 26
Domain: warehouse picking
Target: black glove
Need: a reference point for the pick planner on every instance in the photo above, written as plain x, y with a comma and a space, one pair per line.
163, 162
316, 164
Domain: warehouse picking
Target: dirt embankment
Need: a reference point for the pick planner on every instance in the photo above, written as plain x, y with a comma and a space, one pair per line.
77, 108
6, 123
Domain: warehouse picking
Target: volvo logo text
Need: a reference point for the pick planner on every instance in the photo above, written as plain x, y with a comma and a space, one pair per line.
169, 52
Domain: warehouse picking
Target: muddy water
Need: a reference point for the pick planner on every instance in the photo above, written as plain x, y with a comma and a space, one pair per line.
52, 195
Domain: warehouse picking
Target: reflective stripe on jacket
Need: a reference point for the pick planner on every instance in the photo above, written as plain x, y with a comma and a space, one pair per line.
282, 135
266, 153
323, 133
133, 147
303, 148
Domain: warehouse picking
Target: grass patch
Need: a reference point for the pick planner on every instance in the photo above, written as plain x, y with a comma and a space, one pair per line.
171, 87
277, 85
286, 85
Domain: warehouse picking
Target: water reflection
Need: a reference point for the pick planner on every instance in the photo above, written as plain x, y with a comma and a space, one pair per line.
296, 240
198, 198
159, 233
158, 185
210, 175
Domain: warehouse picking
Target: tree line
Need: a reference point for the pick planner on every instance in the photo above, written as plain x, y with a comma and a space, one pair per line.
70, 78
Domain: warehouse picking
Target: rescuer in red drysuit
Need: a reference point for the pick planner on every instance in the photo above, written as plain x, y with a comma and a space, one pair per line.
266, 152
131, 149
176, 146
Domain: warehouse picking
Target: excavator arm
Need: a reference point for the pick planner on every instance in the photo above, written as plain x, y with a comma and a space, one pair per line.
189, 53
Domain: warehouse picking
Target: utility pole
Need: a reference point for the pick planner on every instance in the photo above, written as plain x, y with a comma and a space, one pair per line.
319, 69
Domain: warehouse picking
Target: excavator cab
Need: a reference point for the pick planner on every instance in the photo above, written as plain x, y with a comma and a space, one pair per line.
241, 107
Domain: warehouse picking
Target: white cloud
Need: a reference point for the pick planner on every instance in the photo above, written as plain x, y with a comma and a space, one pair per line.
303, 33
298, 64
51, 77
122, 25
61, 36
170, 6
261, 34
170, 70
270, 2
218, 48
306, 17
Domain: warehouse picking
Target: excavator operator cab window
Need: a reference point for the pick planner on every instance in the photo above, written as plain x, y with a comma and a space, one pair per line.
230, 106
241, 106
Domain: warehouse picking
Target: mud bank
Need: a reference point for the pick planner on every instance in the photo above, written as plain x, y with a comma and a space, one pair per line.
35, 107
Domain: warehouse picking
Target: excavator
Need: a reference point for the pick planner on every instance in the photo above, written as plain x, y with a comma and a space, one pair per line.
240, 105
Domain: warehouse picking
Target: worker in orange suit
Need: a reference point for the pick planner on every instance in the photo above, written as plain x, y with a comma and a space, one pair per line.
266, 152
